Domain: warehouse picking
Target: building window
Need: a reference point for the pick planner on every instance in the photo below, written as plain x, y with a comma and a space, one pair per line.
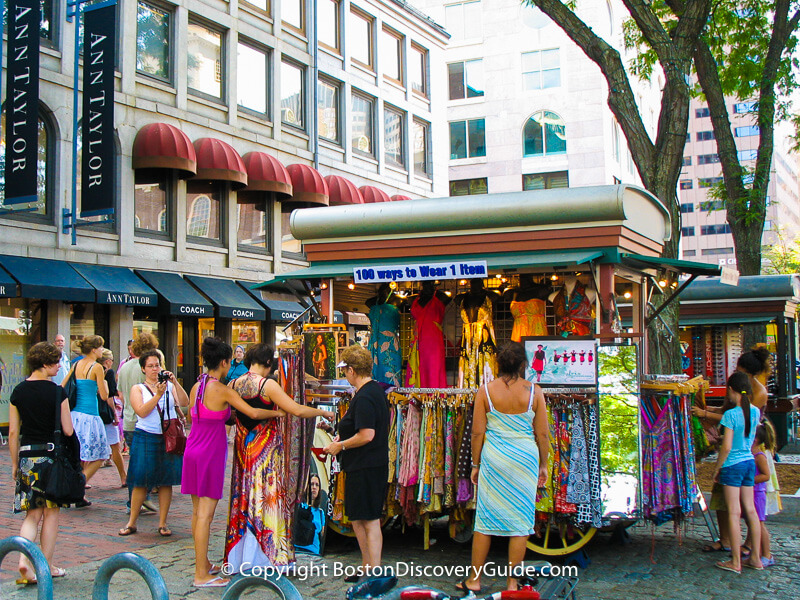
421, 135
467, 139
204, 61
686, 184
707, 159
744, 107
747, 154
702, 112
707, 182
541, 69
253, 82
392, 55
360, 40
418, 70
544, 133
328, 110
545, 181
45, 163
293, 13
463, 20
253, 227
711, 205
746, 131
262, 5
715, 229
689, 253
328, 24
292, 94
688, 137
687, 231
687, 207
393, 137
615, 139
203, 204
469, 187
153, 41
687, 161
465, 79
716, 251
151, 204
703, 136
363, 110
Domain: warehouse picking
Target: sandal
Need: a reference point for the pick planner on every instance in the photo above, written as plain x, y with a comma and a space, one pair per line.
216, 582
165, 532
461, 586
127, 530
25, 578
58, 572
215, 569
715, 547
728, 566
745, 551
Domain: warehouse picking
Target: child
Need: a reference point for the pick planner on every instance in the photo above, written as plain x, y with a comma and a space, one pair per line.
774, 505
760, 492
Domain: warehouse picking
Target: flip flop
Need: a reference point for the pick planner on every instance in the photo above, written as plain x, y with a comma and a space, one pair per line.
217, 582
714, 548
755, 568
26, 581
127, 530
59, 572
166, 532
461, 586
215, 569
727, 566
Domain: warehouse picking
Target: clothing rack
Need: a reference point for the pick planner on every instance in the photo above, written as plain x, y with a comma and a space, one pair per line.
569, 390
411, 390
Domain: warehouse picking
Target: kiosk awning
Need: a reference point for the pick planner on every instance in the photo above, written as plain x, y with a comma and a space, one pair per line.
177, 296
8, 287
522, 260
117, 285
231, 301
725, 320
48, 279
637, 261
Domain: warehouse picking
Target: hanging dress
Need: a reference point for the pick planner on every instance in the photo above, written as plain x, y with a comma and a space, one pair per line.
573, 314
529, 319
477, 363
384, 343
258, 525
426, 361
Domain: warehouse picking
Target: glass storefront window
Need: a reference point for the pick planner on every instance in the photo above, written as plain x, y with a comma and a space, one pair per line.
205, 328
20, 328
86, 319
246, 333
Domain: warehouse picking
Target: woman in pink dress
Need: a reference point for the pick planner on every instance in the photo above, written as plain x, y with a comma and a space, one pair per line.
207, 451
426, 366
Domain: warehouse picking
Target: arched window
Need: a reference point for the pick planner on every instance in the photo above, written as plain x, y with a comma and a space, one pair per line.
162, 220
199, 217
544, 133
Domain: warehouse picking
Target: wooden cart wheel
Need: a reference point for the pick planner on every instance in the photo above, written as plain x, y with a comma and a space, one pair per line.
559, 540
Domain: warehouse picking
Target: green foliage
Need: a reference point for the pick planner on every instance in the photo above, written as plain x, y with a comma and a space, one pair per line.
619, 409
782, 257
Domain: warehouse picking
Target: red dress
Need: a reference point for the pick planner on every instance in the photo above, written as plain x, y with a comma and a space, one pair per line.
426, 360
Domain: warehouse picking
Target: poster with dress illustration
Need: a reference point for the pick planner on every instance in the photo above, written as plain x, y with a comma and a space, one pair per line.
320, 350
561, 361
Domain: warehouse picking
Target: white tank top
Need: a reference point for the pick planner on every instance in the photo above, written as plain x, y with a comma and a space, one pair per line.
152, 422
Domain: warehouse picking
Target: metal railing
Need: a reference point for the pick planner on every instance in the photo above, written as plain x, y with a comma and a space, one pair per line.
44, 587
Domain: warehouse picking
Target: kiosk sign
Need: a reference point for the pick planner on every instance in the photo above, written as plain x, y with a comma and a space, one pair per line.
421, 271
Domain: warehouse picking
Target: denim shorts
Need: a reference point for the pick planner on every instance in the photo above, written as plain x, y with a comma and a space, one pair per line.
739, 475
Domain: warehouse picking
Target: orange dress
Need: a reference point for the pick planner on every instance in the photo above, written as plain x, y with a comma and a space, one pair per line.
529, 319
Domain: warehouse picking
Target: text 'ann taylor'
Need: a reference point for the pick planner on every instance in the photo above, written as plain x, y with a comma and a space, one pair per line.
128, 299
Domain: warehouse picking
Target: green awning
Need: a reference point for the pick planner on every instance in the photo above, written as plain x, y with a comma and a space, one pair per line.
637, 261
48, 279
231, 301
176, 296
522, 260
8, 286
117, 285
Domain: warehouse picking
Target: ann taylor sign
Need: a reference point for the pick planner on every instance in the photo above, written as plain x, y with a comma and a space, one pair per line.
421, 271
97, 130
22, 102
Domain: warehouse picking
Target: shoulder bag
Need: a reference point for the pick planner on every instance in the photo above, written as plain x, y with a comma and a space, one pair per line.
173, 428
71, 388
65, 481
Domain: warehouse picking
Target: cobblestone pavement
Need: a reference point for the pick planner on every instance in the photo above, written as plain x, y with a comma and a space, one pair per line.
656, 563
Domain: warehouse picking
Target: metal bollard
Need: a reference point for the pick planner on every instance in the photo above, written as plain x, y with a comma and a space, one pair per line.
44, 579
134, 562
281, 587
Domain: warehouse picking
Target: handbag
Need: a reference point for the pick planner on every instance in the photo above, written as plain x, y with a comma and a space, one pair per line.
105, 411
173, 429
71, 388
65, 483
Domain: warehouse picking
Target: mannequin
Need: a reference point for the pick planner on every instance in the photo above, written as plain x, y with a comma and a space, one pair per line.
426, 361
384, 317
477, 363
528, 308
573, 306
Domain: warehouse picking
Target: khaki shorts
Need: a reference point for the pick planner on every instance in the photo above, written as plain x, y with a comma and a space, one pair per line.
717, 501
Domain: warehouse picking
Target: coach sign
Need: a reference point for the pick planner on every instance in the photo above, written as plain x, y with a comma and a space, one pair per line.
97, 130
22, 102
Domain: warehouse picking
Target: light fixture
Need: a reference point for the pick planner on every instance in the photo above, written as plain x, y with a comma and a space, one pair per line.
393, 285
627, 295
436, 282
554, 277
462, 282
313, 293
499, 276
448, 293
674, 285
662, 282
323, 286
504, 280
351, 286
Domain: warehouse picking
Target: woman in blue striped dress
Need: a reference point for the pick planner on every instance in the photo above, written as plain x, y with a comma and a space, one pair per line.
510, 443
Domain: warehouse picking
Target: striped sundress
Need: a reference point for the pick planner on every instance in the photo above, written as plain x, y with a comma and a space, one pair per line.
509, 473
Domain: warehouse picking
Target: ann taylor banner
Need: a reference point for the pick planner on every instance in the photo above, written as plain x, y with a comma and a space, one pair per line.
97, 131
22, 102
420, 271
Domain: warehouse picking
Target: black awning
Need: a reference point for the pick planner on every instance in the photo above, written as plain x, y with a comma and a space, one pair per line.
281, 311
176, 295
231, 301
117, 285
48, 279
8, 287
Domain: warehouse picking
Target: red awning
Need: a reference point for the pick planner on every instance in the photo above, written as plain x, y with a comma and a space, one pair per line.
342, 191
265, 173
372, 194
399, 197
218, 161
163, 146
308, 188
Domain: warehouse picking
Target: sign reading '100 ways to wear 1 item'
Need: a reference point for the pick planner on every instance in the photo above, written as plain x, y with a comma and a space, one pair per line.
421, 271
97, 129
22, 102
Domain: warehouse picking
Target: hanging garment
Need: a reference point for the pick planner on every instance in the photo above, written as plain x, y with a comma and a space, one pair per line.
562, 466
578, 490
545, 496
384, 344
659, 465
464, 492
477, 364
529, 319
426, 366
593, 512
573, 314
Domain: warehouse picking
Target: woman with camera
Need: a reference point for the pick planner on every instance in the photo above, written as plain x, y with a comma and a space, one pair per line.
150, 465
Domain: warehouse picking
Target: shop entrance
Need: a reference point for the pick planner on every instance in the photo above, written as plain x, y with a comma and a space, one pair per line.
189, 364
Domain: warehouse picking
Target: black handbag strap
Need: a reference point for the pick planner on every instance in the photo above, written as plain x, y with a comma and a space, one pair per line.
57, 430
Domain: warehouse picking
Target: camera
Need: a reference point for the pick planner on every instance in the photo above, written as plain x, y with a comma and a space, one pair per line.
163, 376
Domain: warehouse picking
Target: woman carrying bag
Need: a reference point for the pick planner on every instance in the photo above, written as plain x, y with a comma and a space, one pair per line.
31, 436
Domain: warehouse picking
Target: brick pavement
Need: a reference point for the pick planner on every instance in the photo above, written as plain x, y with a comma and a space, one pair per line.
657, 563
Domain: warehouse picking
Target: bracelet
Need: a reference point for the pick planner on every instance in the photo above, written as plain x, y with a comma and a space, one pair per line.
474, 466
342, 443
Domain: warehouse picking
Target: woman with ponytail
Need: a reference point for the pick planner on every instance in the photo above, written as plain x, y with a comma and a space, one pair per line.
735, 470
757, 364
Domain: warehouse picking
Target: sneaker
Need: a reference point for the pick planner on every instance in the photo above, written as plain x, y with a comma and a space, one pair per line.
148, 505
